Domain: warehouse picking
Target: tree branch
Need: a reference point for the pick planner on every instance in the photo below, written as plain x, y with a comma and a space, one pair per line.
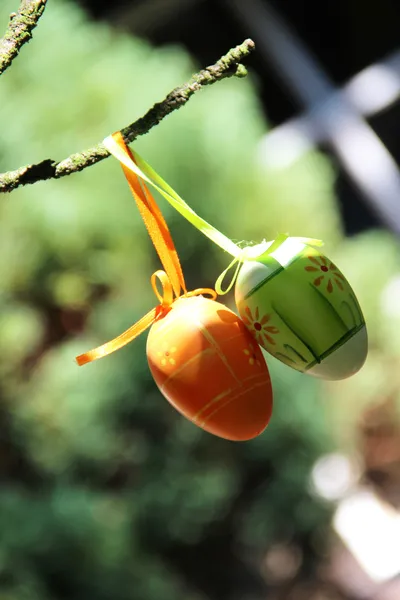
19, 30
227, 66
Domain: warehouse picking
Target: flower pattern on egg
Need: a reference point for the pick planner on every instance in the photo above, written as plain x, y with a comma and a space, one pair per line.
259, 327
251, 355
165, 355
330, 273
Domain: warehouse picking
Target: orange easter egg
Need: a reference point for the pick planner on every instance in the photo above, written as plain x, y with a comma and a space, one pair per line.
209, 367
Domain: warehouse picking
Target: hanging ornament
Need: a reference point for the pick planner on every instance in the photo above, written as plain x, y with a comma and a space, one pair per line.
202, 357
300, 307
294, 301
210, 368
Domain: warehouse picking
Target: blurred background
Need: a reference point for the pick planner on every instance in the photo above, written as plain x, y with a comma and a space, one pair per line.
106, 492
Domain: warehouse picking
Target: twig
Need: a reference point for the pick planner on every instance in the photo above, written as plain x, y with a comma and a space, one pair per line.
227, 66
19, 30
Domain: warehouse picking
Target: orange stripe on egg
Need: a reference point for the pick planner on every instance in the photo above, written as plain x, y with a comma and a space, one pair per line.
213, 401
236, 394
177, 372
241, 392
209, 337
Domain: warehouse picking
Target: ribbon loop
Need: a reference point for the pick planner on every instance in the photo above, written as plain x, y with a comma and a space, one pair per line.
167, 297
166, 301
201, 292
218, 284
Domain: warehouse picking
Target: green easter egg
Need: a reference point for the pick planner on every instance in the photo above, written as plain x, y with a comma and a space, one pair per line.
302, 310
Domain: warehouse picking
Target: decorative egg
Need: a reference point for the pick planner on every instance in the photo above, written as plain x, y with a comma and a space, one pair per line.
209, 367
299, 307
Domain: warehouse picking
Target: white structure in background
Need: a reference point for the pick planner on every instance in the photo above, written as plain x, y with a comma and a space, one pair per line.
371, 530
372, 90
369, 527
331, 115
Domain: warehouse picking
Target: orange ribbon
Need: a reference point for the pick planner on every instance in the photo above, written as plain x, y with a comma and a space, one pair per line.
172, 279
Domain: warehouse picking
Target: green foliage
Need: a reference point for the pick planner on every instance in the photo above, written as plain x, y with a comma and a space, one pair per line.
102, 479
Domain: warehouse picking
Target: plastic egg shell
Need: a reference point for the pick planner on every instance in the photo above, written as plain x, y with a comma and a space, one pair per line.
300, 308
209, 367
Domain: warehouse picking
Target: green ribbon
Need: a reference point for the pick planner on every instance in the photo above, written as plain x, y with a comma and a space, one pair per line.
143, 170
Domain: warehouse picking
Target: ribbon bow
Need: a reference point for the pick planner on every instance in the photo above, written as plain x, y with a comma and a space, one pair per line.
172, 279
